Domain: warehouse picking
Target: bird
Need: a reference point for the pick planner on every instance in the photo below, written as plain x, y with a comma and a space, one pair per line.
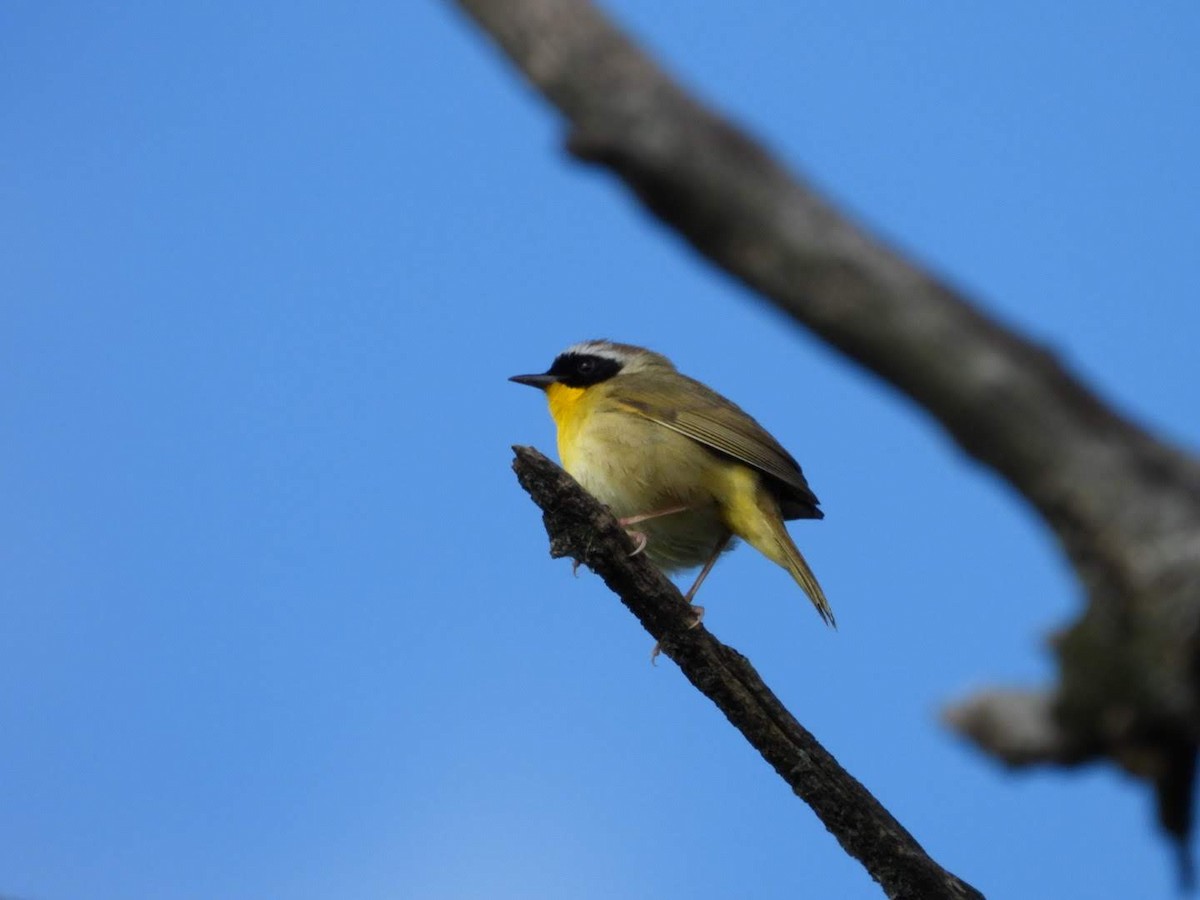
685, 471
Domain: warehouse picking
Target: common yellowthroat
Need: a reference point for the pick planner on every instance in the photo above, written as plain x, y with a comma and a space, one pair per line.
674, 458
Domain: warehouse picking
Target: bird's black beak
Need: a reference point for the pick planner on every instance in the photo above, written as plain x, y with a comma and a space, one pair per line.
537, 381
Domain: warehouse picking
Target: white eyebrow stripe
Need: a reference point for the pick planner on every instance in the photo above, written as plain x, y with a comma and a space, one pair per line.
595, 348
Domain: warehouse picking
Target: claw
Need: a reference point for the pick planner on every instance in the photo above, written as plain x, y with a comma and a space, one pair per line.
639, 539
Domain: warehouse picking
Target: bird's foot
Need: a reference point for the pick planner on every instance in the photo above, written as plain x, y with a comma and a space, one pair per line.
698, 613
638, 537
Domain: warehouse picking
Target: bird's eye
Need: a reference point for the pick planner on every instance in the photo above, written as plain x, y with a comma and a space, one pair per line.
587, 366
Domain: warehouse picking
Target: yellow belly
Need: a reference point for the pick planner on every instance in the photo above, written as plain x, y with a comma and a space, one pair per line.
636, 466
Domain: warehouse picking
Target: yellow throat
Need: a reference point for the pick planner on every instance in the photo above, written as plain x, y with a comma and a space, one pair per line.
569, 407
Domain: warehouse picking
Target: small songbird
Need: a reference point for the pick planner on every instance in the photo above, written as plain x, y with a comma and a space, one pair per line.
673, 459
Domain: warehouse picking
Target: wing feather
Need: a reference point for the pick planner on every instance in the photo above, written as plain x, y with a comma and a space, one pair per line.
700, 413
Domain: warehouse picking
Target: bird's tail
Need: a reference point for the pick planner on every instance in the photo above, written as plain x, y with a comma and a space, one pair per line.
789, 556
754, 516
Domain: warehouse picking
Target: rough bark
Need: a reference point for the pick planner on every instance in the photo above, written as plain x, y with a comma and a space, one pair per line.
580, 527
1124, 505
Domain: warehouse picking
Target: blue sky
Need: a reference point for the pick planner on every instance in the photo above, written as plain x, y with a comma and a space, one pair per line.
276, 619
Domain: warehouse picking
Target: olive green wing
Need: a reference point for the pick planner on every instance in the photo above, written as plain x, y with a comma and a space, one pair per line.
700, 413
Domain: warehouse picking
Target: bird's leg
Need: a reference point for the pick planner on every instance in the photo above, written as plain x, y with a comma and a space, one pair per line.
697, 610
633, 520
639, 537
712, 561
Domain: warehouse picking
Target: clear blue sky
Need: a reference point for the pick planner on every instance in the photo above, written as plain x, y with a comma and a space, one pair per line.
275, 618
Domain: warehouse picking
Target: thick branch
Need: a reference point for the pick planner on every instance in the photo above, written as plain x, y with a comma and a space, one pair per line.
1125, 506
580, 527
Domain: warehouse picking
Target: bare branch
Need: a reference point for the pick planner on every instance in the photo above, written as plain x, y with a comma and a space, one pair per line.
1124, 506
581, 528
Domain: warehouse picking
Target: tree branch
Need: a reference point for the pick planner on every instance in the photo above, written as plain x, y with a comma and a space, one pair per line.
1124, 506
580, 527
